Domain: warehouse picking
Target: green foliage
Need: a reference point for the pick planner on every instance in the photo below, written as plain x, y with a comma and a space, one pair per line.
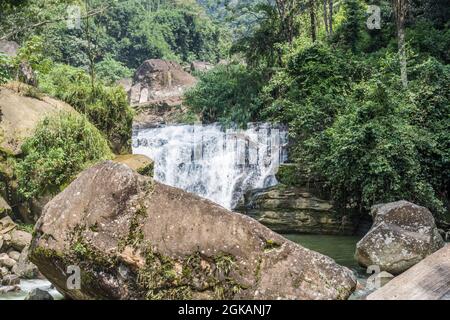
356, 129
350, 31
32, 51
62, 146
110, 70
227, 93
105, 107
6, 67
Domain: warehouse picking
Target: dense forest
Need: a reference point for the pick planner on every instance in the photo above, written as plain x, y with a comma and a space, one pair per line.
362, 85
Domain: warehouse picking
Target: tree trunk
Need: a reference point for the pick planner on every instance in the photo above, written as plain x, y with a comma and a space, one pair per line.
312, 16
325, 16
400, 9
330, 17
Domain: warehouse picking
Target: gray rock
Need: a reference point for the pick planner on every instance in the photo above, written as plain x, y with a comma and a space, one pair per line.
26, 74
402, 235
14, 255
8, 289
38, 294
3, 271
179, 246
157, 80
6, 261
20, 239
24, 268
10, 280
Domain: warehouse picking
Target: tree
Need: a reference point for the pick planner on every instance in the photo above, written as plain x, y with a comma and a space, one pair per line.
400, 8
312, 16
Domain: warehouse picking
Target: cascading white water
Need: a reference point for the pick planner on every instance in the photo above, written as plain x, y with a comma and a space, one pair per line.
217, 164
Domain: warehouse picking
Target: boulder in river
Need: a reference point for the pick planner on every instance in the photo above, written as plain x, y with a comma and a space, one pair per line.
134, 238
401, 236
427, 280
39, 294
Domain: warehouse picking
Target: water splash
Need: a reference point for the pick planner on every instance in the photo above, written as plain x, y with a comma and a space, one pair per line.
217, 164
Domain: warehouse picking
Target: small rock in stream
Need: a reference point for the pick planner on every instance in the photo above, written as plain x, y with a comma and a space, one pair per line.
38, 294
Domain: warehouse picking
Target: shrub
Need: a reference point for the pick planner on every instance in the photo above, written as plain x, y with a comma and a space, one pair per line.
105, 106
62, 146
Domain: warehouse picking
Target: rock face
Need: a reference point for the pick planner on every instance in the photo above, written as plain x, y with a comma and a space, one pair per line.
427, 280
295, 210
401, 236
134, 238
20, 115
157, 80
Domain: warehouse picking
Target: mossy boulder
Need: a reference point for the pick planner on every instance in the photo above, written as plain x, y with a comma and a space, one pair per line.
134, 238
402, 235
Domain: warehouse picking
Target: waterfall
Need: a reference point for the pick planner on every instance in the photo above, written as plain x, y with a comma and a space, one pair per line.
215, 163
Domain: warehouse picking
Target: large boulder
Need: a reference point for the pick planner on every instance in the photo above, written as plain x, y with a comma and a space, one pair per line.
20, 239
157, 80
288, 209
427, 280
402, 235
20, 115
134, 238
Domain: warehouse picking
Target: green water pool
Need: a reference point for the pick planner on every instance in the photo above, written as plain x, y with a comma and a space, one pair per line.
339, 248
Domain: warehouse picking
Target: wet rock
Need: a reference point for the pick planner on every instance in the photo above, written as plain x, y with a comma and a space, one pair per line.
8, 289
38, 294
139, 239
20, 239
401, 236
10, 280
